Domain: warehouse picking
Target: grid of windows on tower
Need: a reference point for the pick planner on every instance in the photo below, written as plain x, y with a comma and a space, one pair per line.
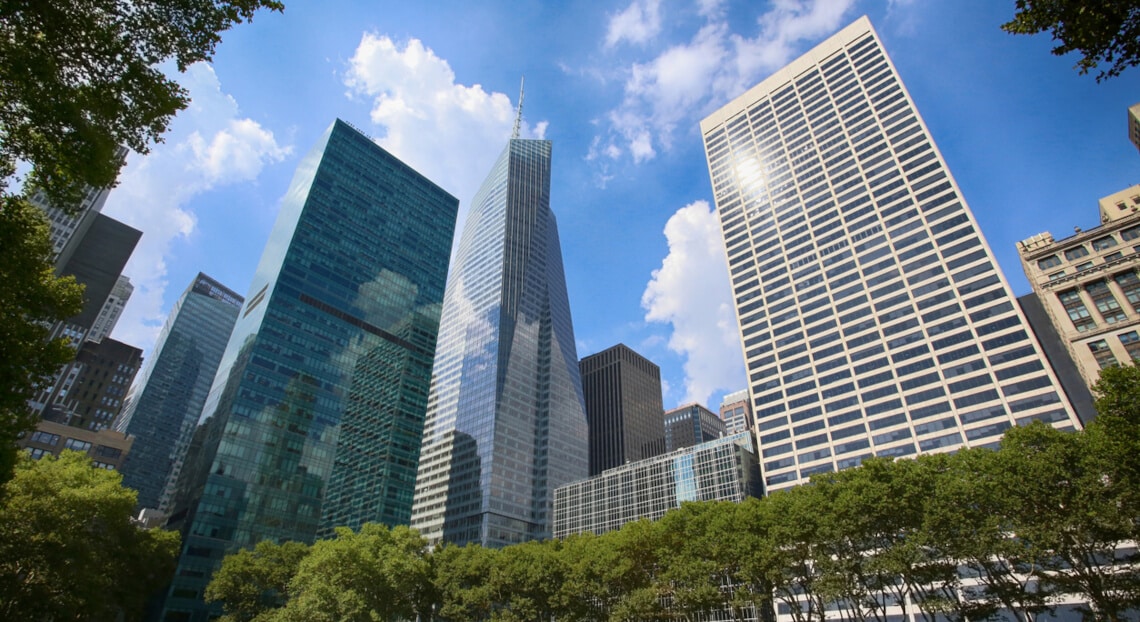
873, 316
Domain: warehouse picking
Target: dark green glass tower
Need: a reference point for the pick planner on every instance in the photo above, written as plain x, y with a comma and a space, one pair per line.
316, 413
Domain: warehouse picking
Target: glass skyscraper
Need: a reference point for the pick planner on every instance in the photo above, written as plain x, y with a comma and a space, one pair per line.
873, 316
345, 300
506, 423
165, 403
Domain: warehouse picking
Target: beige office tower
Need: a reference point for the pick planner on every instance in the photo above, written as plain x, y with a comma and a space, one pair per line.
873, 316
1089, 286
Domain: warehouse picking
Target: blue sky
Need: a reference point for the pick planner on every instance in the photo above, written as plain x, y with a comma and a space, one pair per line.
620, 88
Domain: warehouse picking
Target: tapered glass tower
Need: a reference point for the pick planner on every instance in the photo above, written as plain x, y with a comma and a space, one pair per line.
873, 316
506, 423
320, 397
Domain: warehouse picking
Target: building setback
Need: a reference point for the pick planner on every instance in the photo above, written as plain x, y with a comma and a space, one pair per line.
506, 423
725, 469
164, 405
622, 390
355, 265
873, 316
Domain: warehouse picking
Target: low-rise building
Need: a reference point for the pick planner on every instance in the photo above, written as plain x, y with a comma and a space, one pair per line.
725, 469
107, 448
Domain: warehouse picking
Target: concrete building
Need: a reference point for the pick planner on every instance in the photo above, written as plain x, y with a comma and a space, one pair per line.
344, 302
622, 390
506, 422
96, 260
691, 424
164, 405
1089, 286
736, 412
92, 388
725, 469
107, 448
873, 316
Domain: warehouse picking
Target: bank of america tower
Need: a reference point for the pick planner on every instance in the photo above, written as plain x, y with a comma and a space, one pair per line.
873, 316
506, 423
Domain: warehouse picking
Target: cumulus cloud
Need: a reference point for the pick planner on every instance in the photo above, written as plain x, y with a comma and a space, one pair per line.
690, 291
684, 81
638, 23
208, 145
449, 131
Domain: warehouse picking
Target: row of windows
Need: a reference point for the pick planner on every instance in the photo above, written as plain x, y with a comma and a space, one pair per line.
1102, 352
1080, 251
1103, 297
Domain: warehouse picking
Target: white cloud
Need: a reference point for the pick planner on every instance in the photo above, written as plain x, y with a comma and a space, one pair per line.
208, 145
638, 23
684, 81
691, 292
450, 132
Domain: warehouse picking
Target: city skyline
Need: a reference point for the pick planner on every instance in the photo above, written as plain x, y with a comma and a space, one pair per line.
206, 198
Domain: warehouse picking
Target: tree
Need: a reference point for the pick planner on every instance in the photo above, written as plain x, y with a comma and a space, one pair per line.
461, 582
367, 576
968, 518
255, 583
1065, 506
32, 298
80, 78
1104, 31
527, 582
67, 544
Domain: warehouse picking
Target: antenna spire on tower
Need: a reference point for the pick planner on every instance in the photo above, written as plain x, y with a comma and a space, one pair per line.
518, 115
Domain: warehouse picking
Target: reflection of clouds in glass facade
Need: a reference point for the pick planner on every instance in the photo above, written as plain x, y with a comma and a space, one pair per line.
506, 422
316, 413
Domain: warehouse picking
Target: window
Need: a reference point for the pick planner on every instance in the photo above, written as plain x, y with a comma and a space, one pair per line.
1076, 253
1056, 275
1102, 353
1052, 261
1104, 243
1105, 302
1131, 343
1078, 312
45, 438
1130, 233
77, 445
1130, 285
1113, 256
1085, 266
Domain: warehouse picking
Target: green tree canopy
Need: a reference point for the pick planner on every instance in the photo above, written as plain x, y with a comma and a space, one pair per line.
253, 584
80, 78
367, 576
1102, 31
68, 548
31, 298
